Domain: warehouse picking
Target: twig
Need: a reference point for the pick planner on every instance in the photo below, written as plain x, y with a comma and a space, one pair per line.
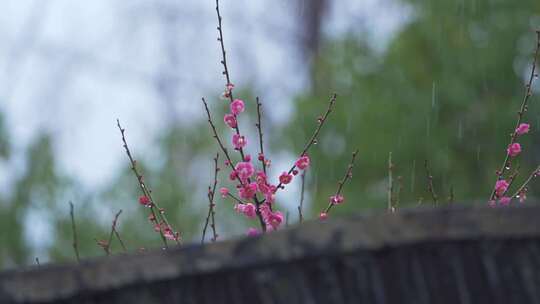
107, 248
430, 187
399, 190
235, 198
287, 219
313, 138
37, 262
144, 189
521, 113
301, 206
223, 53
74, 229
390, 206
103, 244
346, 177
527, 181
211, 205
451, 197
120, 239
259, 128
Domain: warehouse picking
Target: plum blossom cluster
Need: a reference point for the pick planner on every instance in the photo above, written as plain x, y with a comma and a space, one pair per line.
255, 195
505, 178
502, 185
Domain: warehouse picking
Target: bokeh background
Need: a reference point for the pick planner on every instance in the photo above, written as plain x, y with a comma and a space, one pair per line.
437, 80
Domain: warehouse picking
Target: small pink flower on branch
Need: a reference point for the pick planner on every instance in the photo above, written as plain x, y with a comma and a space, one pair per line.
303, 162
500, 187
271, 219
522, 129
505, 200
237, 106
230, 120
275, 219
224, 192
239, 141
323, 216
248, 191
248, 209
513, 150
285, 178
244, 170
252, 232
144, 200
337, 199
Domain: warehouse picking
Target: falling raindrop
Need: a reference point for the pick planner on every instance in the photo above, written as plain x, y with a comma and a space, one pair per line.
460, 130
428, 125
433, 95
478, 153
413, 175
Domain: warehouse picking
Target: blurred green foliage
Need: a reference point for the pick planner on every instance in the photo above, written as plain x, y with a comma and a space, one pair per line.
445, 90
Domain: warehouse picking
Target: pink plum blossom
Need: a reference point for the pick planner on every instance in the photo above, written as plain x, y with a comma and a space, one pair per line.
248, 191
513, 149
523, 129
275, 219
237, 106
303, 162
323, 216
248, 209
500, 187
505, 200
285, 178
337, 199
224, 192
239, 141
244, 170
252, 231
271, 219
230, 120
144, 200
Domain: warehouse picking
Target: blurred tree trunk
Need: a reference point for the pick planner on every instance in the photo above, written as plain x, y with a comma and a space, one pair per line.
312, 13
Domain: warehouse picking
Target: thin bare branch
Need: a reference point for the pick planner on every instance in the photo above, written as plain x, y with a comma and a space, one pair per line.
74, 229
341, 183
259, 128
430, 187
302, 190
210, 218
523, 187
398, 194
113, 229
313, 140
154, 208
390, 196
